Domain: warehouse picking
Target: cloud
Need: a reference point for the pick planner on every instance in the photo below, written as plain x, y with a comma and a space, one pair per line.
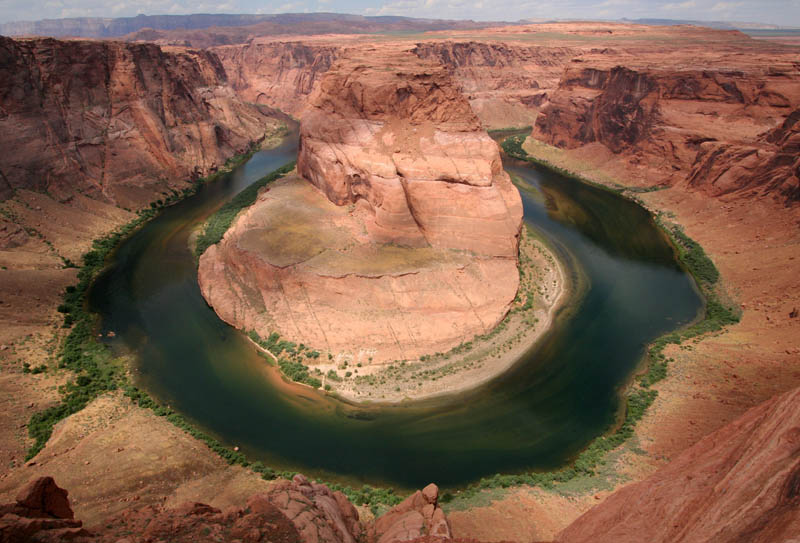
726, 6
689, 4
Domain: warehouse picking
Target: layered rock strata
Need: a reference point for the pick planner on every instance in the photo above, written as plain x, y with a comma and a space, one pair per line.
741, 483
279, 74
397, 138
719, 130
417, 516
405, 240
506, 83
296, 511
114, 121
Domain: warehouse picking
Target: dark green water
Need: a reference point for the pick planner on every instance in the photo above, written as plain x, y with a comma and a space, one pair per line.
536, 416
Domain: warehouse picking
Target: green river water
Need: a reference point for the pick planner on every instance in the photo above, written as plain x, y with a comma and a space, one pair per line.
538, 415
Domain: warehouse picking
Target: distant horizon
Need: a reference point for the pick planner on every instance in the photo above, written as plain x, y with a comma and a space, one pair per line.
784, 14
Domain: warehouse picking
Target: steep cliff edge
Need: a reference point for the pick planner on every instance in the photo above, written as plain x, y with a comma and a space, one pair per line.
741, 483
404, 242
279, 74
405, 143
116, 122
719, 130
506, 83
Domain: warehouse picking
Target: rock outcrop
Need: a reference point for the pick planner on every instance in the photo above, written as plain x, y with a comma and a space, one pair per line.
718, 130
406, 244
417, 516
280, 74
114, 121
296, 511
41, 513
396, 135
770, 166
506, 83
741, 483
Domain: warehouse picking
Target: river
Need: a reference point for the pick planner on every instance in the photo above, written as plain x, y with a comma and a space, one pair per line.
539, 415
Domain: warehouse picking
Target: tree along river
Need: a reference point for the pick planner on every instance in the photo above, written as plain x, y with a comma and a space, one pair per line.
538, 415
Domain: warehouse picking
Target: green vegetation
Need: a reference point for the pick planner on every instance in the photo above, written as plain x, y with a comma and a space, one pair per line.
641, 396
97, 371
378, 499
219, 222
291, 364
586, 462
297, 371
717, 314
274, 344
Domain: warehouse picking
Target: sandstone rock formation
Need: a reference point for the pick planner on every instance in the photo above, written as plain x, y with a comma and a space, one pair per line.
396, 135
770, 166
116, 121
41, 513
407, 245
289, 512
741, 483
506, 83
717, 130
280, 74
416, 516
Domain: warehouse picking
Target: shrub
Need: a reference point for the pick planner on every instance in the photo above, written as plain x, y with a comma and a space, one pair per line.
219, 222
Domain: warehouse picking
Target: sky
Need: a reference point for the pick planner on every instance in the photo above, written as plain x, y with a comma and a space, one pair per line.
781, 12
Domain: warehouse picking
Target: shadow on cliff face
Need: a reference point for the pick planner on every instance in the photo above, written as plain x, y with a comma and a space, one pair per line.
741, 483
296, 511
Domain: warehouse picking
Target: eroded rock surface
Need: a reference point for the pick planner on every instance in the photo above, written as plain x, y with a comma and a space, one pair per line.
405, 240
741, 483
394, 134
417, 516
116, 121
290, 512
730, 127
276, 73
41, 512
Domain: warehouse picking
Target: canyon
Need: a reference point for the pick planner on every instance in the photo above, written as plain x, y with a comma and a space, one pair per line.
702, 124
419, 224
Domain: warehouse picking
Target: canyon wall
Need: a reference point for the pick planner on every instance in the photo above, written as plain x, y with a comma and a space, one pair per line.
116, 122
505, 83
741, 483
729, 127
280, 74
405, 241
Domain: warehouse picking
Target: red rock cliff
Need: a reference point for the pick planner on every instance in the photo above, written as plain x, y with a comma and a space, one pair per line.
279, 74
110, 119
719, 130
741, 483
405, 245
505, 83
395, 135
